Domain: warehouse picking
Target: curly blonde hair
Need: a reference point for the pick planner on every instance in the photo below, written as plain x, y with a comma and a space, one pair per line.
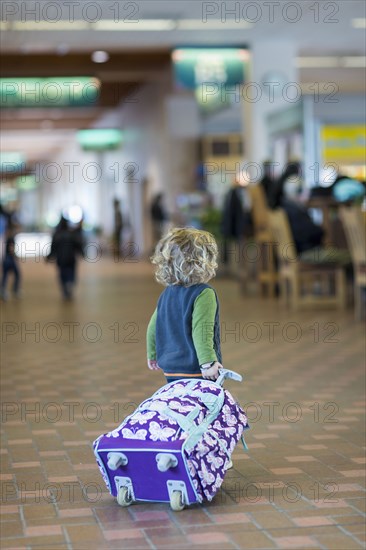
185, 257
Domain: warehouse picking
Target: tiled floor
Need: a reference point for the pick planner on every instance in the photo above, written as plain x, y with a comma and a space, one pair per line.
74, 370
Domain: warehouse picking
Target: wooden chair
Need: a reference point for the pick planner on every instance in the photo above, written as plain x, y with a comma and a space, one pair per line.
354, 227
266, 268
317, 280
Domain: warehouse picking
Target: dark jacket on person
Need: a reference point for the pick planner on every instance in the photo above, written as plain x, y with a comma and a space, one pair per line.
235, 220
157, 211
306, 233
66, 246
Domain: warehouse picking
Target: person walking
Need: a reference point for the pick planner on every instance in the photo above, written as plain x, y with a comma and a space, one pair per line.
10, 264
118, 226
158, 217
65, 247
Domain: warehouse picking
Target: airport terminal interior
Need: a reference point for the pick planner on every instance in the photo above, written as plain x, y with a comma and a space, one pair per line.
122, 120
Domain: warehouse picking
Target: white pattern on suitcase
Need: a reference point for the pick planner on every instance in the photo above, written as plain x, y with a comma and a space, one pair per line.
131, 434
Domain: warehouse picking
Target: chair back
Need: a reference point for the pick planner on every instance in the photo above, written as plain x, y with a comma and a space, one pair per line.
282, 236
259, 207
355, 233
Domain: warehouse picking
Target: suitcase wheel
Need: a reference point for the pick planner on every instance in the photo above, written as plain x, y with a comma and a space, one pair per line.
176, 501
124, 497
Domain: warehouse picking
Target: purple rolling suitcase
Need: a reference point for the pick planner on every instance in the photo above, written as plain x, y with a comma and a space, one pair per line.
176, 446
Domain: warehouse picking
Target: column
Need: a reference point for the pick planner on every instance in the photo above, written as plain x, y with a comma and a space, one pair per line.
272, 86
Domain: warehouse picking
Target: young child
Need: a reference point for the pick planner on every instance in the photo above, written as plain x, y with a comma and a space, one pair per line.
183, 336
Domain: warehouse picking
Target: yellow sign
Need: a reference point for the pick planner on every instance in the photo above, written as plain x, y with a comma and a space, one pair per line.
344, 144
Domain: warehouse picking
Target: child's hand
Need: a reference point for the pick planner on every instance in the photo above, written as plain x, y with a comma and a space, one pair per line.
153, 364
211, 373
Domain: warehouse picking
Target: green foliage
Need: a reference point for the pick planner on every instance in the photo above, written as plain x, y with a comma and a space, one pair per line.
211, 221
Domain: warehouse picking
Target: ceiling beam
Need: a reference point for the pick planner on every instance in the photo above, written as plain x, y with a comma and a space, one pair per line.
121, 64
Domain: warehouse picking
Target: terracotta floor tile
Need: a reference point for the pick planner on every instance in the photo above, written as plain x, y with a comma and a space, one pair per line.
26, 465
273, 519
151, 516
251, 541
75, 513
9, 509
41, 531
83, 534
11, 529
238, 517
296, 542
286, 471
208, 537
123, 534
339, 542
313, 521
308, 458
354, 473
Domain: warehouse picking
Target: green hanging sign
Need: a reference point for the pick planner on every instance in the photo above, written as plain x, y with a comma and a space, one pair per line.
194, 66
99, 139
215, 74
11, 162
70, 91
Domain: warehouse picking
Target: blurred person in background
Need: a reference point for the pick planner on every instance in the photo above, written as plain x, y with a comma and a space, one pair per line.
4, 220
158, 216
118, 227
289, 184
306, 233
65, 247
236, 217
268, 180
10, 263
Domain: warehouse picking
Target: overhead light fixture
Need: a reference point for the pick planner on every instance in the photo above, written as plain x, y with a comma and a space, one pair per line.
198, 24
100, 56
73, 213
141, 25
359, 23
147, 25
76, 25
331, 62
354, 62
316, 62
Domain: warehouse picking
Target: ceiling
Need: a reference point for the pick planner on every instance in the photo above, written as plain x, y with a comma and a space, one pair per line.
315, 26
32, 45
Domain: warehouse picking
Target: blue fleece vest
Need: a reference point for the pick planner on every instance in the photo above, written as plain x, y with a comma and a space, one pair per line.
175, 349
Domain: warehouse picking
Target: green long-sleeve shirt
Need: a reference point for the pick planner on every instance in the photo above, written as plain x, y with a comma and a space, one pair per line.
203, 321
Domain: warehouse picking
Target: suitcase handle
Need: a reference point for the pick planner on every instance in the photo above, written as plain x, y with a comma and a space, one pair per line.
225, 373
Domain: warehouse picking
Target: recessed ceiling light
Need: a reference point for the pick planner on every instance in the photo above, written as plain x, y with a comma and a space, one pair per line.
63, 49
100, 56
359, 23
